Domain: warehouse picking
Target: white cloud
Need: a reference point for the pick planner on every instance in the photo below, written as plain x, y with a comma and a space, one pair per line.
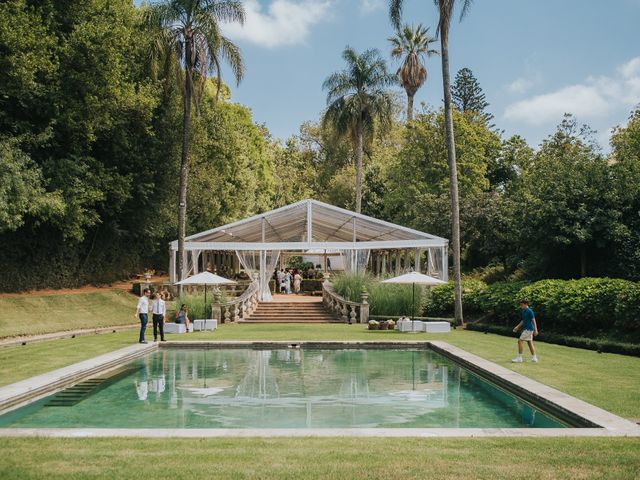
369, 6
284, 22
521, 85
595, 97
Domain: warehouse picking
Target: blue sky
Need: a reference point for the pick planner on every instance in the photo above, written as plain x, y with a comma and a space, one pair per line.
535, 59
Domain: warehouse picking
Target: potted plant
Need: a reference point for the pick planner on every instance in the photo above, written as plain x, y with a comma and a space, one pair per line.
374, 325
391, 324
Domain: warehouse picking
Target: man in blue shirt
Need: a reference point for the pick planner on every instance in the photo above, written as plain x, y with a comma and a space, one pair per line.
529, 330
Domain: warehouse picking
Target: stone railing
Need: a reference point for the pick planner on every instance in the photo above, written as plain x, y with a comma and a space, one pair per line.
346, 310
237, 308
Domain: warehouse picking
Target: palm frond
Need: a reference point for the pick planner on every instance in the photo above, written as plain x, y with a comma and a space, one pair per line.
395, 12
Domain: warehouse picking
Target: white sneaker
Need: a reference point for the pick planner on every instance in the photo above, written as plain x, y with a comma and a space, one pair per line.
518, 359
534, 359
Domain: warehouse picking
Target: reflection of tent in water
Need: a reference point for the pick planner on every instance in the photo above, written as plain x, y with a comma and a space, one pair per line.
260, 379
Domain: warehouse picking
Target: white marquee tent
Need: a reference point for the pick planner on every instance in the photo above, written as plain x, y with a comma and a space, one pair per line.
258, 241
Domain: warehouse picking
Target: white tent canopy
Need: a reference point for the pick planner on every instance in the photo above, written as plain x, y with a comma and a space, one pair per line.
309, 225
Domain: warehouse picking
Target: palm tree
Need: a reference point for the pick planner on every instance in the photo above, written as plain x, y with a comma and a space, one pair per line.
413, 43
445, 11
358, 101
189, 39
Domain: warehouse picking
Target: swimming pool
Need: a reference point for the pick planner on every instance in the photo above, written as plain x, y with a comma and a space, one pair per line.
284, 388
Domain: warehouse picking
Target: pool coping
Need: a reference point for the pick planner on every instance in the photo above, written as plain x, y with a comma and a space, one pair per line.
600, 423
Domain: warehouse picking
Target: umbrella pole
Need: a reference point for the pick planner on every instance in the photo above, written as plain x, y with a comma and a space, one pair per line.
205, 303
413, 306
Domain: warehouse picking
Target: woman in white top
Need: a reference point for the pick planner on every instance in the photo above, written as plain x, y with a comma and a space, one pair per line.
297, 281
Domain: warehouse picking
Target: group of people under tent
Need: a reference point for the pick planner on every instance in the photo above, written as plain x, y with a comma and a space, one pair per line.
288, 280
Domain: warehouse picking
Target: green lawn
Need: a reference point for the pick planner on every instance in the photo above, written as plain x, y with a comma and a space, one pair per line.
320, 458
607, 380
34, 314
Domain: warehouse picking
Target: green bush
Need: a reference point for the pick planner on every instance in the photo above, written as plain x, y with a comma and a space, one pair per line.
195, 302
350, 285
500, 300
587, 306
439, 300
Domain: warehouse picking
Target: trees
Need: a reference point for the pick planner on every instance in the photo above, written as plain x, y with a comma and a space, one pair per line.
467, 96
413, 44
358, 100
189, 38
445, 10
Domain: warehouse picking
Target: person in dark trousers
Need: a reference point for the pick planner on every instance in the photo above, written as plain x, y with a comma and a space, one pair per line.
142, 311
159, 310
529, 330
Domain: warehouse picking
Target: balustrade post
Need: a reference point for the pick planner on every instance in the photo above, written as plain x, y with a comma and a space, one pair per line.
227, 314
352, 314
364, 307
215, 306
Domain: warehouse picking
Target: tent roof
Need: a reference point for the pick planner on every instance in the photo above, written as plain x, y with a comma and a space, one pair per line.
309, 224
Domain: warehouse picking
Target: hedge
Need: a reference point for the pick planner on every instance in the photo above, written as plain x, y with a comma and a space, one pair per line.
439, 300
599, 345
587, 306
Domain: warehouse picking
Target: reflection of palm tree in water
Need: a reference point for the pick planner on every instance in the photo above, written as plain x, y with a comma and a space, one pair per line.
260, 379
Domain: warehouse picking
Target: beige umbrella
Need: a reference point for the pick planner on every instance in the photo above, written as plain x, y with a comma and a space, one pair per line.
413, 279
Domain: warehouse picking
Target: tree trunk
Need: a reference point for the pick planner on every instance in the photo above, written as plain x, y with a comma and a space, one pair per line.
184, 167
359, 153
583, 261
453, 176
410, 106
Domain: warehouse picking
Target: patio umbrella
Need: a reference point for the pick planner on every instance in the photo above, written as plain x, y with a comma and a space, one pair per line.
415, 278
205, 278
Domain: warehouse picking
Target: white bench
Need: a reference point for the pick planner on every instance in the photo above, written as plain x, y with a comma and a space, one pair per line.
436, 327
208, 324
172, 327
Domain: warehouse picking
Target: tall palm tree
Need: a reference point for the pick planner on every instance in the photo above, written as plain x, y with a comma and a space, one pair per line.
189, 39
445, 12
413, 44
358, 101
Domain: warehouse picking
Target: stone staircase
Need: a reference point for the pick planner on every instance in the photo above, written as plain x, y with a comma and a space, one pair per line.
290, 312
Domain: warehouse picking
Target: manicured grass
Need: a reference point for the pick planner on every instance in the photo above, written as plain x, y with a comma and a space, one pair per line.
23, 361
607, 380
34, 314
320, 458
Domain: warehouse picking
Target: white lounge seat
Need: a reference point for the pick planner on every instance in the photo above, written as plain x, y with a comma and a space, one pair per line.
208, 324
410, 326
436, 327
172, 327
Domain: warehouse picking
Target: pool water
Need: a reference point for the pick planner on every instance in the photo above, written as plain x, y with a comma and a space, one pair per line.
289, 388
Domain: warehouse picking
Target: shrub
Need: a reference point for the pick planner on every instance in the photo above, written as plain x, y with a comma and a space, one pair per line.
587, 306
439, 300
500, 300
350, 285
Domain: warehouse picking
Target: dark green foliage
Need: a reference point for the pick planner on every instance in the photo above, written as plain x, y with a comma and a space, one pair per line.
439, 300
500, 300
467, 95
588, 306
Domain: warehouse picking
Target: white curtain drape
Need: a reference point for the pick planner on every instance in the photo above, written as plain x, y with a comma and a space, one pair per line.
264, 262
355, 261
269, 263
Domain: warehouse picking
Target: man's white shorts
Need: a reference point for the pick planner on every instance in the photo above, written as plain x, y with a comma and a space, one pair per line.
526, 335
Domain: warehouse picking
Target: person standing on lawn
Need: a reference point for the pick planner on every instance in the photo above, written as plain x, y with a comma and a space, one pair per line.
529, 330
159, 309
142, 312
